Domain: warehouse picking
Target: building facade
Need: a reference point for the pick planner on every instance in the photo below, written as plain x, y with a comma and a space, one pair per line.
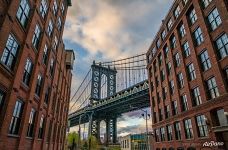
188, 77
133, 142
35, 74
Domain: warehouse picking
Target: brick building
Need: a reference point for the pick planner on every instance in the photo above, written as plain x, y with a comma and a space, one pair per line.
35, 74
188, 76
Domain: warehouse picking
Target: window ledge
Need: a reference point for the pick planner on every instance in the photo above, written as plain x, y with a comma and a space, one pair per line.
6, 69
30, 138
13, 135
40, 139
24, 86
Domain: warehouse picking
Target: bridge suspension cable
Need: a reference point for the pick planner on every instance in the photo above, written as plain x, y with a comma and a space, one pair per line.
130, 71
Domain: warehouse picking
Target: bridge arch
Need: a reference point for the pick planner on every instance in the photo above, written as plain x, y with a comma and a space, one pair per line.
103, 132
104, 86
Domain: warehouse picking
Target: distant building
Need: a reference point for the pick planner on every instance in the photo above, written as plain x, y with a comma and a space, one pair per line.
35, 74
133, 142
188, 76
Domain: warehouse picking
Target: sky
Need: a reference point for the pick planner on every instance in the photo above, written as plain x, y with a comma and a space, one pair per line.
104, 30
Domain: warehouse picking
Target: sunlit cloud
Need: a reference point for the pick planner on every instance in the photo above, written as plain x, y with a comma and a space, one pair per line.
104, 30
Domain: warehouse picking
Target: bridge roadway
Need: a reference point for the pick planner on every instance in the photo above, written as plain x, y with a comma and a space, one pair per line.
130, 99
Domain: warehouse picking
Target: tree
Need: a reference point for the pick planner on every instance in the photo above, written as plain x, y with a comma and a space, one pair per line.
72, 140
93, 143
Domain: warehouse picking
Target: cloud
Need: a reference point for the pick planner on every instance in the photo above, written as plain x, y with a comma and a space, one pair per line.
113, 28
104, 30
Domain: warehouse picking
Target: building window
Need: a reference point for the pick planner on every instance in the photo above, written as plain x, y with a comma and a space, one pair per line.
10, 52
198, 36
186, 49
155, 117
50, 28
182, 31
172, 87
170, 24
180, 80
41, 127
196, 97
214, 19
202, 126
36, 36
43, 8
39, 84
226, 74
177, 128
162, 129
160, 60
27, 71
175, 107
157, 135
155, 65
169, 67
177, 11
205, 61
177, 59
163, 35
221, 118
45, 54
162, 75
167, 111
169, 133
2, 99
192, 16
173, 42
158, 43
55, 7
47, 95
62, 7
166, 51
184, 103
164, 92
16, 118
23, 12
160, 114
52, 67
157, 81
222, 45
188, 129
185, 1
191, 72
206, 2
212, 88
31, 123
55, 43
59, 23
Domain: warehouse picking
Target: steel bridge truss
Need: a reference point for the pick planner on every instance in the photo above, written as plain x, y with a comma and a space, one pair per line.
108, 90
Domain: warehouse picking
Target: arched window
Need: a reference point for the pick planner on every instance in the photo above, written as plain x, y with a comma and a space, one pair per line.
104, 86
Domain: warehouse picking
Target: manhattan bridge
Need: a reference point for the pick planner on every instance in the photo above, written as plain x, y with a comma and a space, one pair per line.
108, 90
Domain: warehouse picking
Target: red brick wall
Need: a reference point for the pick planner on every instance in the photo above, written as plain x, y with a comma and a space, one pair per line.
216, 71
11, 80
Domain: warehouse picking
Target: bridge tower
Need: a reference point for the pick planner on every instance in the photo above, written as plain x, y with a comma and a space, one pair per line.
99, 73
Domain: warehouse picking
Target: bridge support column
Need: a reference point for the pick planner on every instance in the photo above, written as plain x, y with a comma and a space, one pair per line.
111, 131
95, 129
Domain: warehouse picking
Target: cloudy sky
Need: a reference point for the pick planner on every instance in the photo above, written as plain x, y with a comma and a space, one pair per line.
104, 30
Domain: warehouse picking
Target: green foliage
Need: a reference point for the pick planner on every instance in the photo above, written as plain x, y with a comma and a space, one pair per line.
72, 137
93, 142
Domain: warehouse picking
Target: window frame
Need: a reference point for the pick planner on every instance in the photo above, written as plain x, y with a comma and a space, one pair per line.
15, 122
28, 68
10, 52
23, 13
31, 123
